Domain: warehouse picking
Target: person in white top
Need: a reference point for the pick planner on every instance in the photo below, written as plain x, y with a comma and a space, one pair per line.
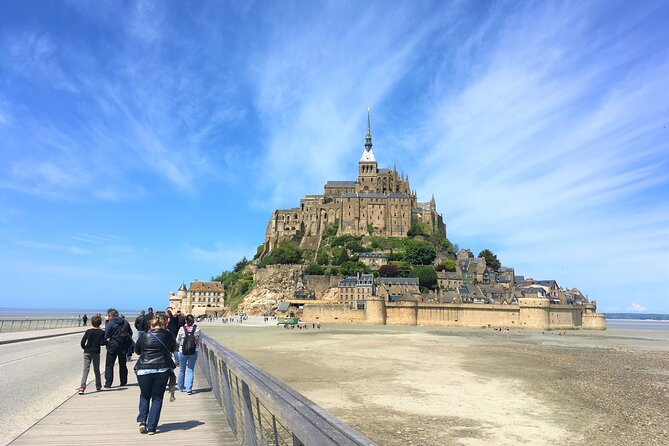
188, 340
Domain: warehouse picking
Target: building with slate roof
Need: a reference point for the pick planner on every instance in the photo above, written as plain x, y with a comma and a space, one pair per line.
379, 201
200, 298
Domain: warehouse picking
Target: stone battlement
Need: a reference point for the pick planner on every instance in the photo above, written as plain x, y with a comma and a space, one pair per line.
529, 313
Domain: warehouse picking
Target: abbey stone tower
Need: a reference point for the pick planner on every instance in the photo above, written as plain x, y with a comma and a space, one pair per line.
380, 201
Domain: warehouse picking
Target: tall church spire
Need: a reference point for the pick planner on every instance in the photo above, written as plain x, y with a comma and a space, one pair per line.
368, 137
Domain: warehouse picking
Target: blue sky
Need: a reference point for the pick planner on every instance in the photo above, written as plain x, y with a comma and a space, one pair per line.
146, 143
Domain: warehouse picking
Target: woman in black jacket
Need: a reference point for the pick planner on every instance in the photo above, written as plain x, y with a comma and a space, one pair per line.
153, 369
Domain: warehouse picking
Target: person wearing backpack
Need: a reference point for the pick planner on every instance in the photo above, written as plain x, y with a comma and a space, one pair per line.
118, 335
188, 340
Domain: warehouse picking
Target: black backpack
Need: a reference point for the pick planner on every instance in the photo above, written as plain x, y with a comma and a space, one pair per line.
122, 335
190, 343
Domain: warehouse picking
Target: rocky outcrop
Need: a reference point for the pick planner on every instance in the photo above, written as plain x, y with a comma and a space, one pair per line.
274, 284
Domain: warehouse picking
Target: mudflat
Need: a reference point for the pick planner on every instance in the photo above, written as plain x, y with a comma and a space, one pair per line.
404, 385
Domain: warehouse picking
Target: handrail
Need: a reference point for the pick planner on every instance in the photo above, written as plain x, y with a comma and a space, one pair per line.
14, 325
262, 410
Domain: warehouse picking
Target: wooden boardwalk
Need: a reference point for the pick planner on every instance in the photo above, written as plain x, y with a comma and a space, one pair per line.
108, 418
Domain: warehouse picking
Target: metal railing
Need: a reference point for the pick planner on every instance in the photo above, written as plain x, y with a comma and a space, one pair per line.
12, 325
262, 410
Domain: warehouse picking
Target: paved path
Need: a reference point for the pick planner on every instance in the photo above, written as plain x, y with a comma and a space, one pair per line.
35, 377
108, 418
20, 336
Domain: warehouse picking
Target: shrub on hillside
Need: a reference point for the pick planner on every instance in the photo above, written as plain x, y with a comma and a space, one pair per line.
419, 252
427, 277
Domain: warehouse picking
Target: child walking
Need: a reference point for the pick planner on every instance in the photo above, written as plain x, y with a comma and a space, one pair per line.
91, 342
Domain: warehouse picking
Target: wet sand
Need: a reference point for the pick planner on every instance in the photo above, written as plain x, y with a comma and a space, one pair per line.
438, 386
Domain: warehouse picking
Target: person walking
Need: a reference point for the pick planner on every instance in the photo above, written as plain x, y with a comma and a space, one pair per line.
147, 318
188, 339
85, 319
139, 323
173, 327
118, 335
153, 368
90, 343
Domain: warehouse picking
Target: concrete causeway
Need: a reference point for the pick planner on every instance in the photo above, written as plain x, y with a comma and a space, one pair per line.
108, 417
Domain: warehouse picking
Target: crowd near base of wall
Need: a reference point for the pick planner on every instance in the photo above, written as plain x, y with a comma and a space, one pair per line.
529, 313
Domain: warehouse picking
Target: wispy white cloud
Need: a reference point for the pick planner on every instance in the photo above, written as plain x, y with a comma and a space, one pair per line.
53, 247
314, 85
538, 159
636, 308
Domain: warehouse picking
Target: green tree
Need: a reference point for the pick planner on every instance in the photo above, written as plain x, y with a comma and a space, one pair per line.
240, 265
419, 252
355, 246
331, 230
350, 268
286, 252
490, 259
419, 228
446, 265
403, 269
322, 256
314, 269
427, 277
339, 255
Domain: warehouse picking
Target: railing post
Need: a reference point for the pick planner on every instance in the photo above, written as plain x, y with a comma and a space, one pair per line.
276, 433
227, 398
215, 378
249, 422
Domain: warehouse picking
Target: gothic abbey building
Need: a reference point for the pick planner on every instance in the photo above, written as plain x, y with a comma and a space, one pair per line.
378, 202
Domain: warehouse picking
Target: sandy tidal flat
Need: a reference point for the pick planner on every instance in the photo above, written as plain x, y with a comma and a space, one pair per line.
429, 386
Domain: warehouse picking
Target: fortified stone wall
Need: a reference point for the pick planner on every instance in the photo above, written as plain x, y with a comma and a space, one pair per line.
564, 317
469, 315
402, 313
530, 313
333, 314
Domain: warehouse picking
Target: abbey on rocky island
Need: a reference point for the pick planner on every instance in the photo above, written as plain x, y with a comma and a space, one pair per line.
379, 202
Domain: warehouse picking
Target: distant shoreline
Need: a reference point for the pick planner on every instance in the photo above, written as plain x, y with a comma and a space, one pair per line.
9, 313
637, 316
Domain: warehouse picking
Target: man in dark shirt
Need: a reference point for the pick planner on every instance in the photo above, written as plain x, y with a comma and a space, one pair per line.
117, 332
147, 318
139, 323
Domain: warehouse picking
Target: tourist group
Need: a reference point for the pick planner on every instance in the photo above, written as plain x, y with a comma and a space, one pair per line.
164, 342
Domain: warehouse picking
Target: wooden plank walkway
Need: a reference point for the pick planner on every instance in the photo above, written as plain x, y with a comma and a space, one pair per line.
108, 418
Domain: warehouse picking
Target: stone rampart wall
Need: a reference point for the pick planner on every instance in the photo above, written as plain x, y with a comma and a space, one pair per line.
564, 317
332, 313
469, 315
401, 313
530, 313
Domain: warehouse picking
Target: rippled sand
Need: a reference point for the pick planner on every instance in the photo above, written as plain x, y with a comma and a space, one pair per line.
428, 386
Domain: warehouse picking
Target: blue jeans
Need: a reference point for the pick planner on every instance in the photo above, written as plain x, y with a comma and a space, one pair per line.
186, 362
151, 389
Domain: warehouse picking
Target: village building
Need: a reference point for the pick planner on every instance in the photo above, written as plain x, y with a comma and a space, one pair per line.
201, 298
373, 260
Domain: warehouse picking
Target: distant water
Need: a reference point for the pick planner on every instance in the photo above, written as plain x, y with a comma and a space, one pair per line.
637, 324
36, 313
